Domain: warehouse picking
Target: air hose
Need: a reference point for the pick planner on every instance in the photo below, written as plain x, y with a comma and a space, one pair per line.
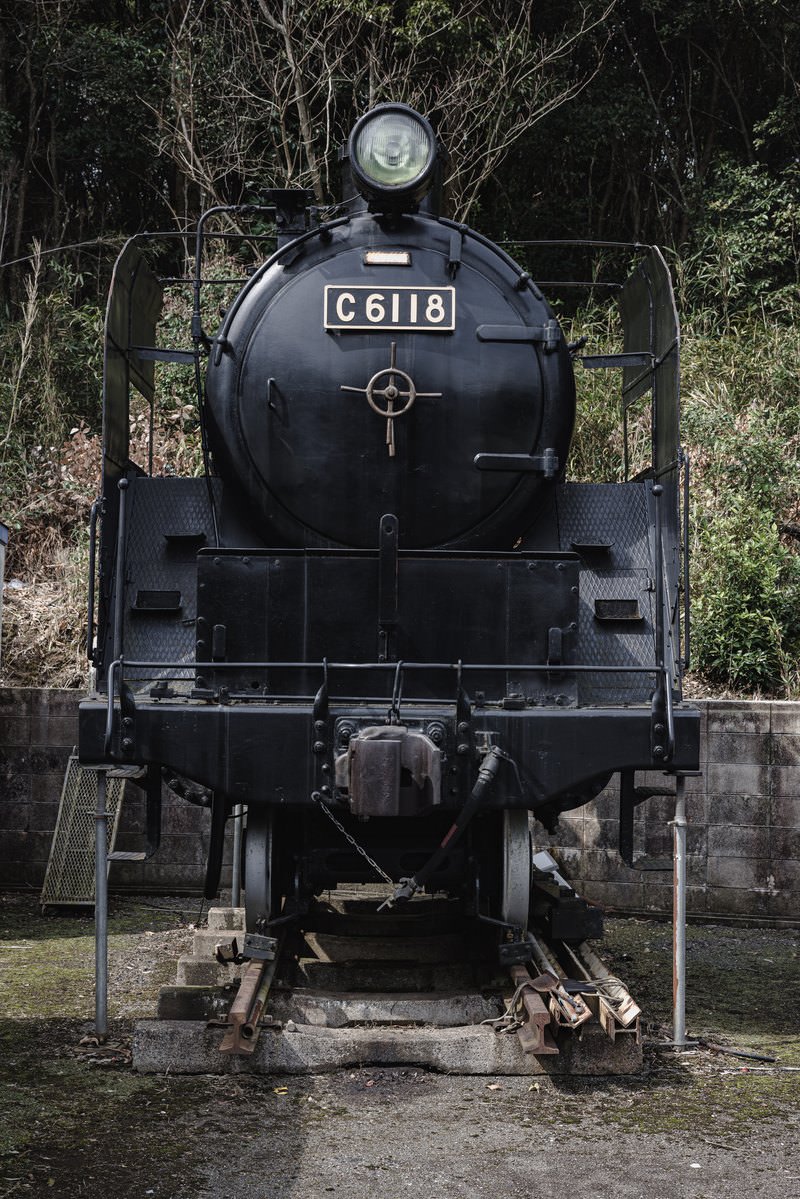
487, 775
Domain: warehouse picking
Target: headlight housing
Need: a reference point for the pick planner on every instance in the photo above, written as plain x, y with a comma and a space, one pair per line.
393, 156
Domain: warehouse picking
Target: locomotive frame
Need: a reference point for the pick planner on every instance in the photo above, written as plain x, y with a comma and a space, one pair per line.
326, 685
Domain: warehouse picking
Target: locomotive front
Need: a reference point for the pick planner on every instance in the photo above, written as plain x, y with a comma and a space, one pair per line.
370, 367
382, 621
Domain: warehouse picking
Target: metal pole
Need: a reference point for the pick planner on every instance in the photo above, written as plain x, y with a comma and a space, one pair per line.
679, 917
236, 865
101, 911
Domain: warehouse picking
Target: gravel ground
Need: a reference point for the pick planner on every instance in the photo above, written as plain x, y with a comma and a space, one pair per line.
704, 1125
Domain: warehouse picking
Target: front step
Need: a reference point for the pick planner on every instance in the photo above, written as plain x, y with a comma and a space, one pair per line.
406, 1004
327, 947
190, 1047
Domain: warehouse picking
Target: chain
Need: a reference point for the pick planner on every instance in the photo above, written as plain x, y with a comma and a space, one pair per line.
315, 795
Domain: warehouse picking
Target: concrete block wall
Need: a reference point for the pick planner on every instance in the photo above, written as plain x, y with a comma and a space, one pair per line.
743, 838
38, 729
38, 732
743, 841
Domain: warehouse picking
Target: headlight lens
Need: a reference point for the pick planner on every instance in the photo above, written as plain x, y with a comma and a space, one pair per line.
393, 156
393, 149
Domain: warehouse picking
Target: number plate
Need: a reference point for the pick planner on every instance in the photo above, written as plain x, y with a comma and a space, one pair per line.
424, 309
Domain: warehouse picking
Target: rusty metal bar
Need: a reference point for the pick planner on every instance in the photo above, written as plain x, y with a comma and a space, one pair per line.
101, 911
679, 917
568, 1011
540, 957
248, 1007
533, 1036
241, 1007
617, 1010
250, 1029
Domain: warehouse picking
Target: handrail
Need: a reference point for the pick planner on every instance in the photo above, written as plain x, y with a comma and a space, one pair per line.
112, 671
686, 605
510, 667
119, 569
93, 514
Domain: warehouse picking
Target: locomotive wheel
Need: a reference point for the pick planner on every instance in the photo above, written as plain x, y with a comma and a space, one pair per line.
517, 868
260, 899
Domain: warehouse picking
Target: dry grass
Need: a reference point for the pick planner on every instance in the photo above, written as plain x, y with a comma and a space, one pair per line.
44, 599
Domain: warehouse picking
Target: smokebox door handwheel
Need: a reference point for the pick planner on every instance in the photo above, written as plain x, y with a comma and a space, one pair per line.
390, 393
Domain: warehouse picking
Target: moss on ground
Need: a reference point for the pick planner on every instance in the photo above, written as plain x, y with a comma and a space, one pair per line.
78, 1119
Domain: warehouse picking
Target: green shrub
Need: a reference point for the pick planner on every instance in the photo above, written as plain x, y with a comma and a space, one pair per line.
746, 609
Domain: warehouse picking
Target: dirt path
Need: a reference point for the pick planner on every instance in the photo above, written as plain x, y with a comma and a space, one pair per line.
77, 1121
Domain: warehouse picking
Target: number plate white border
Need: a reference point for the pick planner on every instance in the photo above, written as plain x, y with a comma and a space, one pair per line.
343, 327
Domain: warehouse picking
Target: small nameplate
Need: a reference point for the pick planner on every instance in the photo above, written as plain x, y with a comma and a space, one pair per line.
420, 309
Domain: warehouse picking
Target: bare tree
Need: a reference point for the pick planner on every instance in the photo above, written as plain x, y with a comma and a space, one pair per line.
274, 85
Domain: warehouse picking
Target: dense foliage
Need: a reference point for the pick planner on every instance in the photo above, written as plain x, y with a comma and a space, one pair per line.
624, 120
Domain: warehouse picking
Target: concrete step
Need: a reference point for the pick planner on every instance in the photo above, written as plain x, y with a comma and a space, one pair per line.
202, 972
189, 1047
205, 941
195, 1002
447, 947
380, 976
441, 1010
226, 919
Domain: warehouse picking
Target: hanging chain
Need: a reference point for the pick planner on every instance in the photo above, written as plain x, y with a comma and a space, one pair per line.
315, 795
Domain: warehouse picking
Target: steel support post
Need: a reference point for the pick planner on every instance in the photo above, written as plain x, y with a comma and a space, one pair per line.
679, 917
101, 910
236, 864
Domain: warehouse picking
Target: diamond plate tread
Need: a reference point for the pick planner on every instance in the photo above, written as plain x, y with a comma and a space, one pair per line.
614, 514
156, 507
600, 513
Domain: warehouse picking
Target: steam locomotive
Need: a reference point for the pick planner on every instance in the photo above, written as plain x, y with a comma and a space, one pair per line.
382, 618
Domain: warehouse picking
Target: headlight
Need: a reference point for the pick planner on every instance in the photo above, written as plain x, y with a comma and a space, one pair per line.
393, 157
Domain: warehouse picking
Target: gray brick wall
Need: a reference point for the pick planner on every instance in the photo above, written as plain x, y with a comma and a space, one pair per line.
743, 838
744, 824
38, 731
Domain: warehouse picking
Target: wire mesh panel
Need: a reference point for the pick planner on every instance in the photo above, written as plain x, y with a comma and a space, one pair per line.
70, 876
